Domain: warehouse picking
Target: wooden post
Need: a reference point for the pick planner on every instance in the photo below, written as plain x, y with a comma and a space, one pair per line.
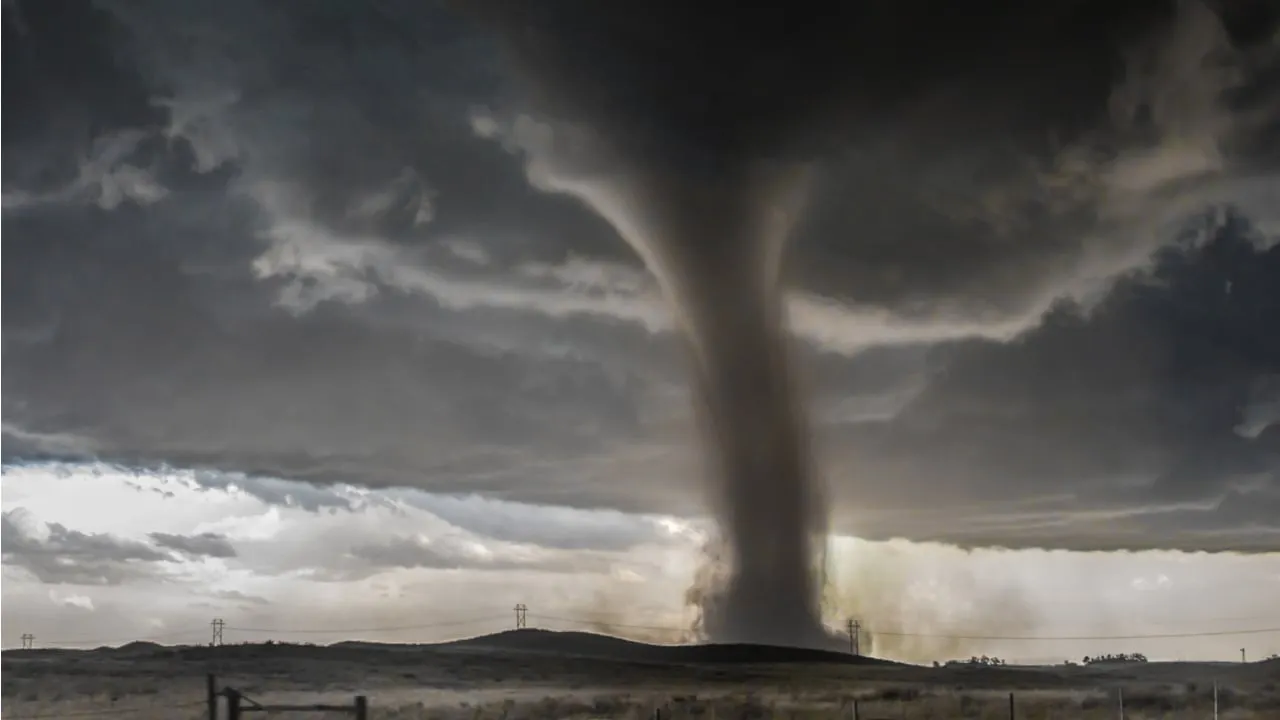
211, 695
1011, 712
233, 704
362, 707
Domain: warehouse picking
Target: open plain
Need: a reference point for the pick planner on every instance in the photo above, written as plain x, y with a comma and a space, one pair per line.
540, 674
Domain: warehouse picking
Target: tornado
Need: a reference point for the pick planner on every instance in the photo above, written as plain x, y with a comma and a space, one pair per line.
714, 241
693, 164
716, 246
700, 123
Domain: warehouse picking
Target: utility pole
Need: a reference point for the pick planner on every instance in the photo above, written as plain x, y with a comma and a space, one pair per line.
855, 637
216, 625
28, 641
521, 611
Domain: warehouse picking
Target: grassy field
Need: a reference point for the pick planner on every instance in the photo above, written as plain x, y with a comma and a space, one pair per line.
572, 675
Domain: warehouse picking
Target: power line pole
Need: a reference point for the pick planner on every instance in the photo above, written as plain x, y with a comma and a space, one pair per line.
521, 611
216, 625
855, 637
28, 641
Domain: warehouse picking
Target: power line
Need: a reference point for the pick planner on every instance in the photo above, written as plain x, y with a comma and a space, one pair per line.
523, 618
1152, 636
625, 626
944, 636
110, 641
384, 628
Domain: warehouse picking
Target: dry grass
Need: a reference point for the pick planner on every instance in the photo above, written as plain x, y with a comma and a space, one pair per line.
564, 706
431, 683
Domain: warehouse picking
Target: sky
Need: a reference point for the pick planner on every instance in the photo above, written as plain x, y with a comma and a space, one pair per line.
160, 555
296, 334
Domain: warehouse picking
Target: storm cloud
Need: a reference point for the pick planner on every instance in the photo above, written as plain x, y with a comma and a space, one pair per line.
57, 555
302, 243
203, 545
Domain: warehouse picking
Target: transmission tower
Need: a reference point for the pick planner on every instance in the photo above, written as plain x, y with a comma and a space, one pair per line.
521, 611
855, 637
28, 641
216, 625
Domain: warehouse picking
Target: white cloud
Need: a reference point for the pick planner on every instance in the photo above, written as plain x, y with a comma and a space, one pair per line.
320, 265
1263, 407
407, 188
1149, 584
105, 177
203, 121
80, 602
28, 525
262, 526
468, 250
128, 183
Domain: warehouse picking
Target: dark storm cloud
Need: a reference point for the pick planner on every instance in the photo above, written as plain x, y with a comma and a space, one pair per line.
55, 554
274, 491
946, 141
203, 545
693, 132
266, 239
1135, 407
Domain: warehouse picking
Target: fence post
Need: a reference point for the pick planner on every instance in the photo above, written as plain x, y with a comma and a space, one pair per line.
362, 707
1012, 716
211, 695
233, 704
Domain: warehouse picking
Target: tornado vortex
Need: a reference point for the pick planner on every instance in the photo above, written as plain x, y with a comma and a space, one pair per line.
716, 245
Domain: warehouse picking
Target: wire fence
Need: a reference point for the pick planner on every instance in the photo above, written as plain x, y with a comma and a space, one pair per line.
886, 704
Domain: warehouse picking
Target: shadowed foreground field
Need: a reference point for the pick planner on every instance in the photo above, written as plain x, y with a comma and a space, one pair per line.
539, 674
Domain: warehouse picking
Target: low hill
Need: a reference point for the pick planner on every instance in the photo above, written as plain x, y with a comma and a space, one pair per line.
592, 645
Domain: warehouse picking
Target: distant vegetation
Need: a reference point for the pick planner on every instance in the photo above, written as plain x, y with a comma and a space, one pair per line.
985, 661
1116, 658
